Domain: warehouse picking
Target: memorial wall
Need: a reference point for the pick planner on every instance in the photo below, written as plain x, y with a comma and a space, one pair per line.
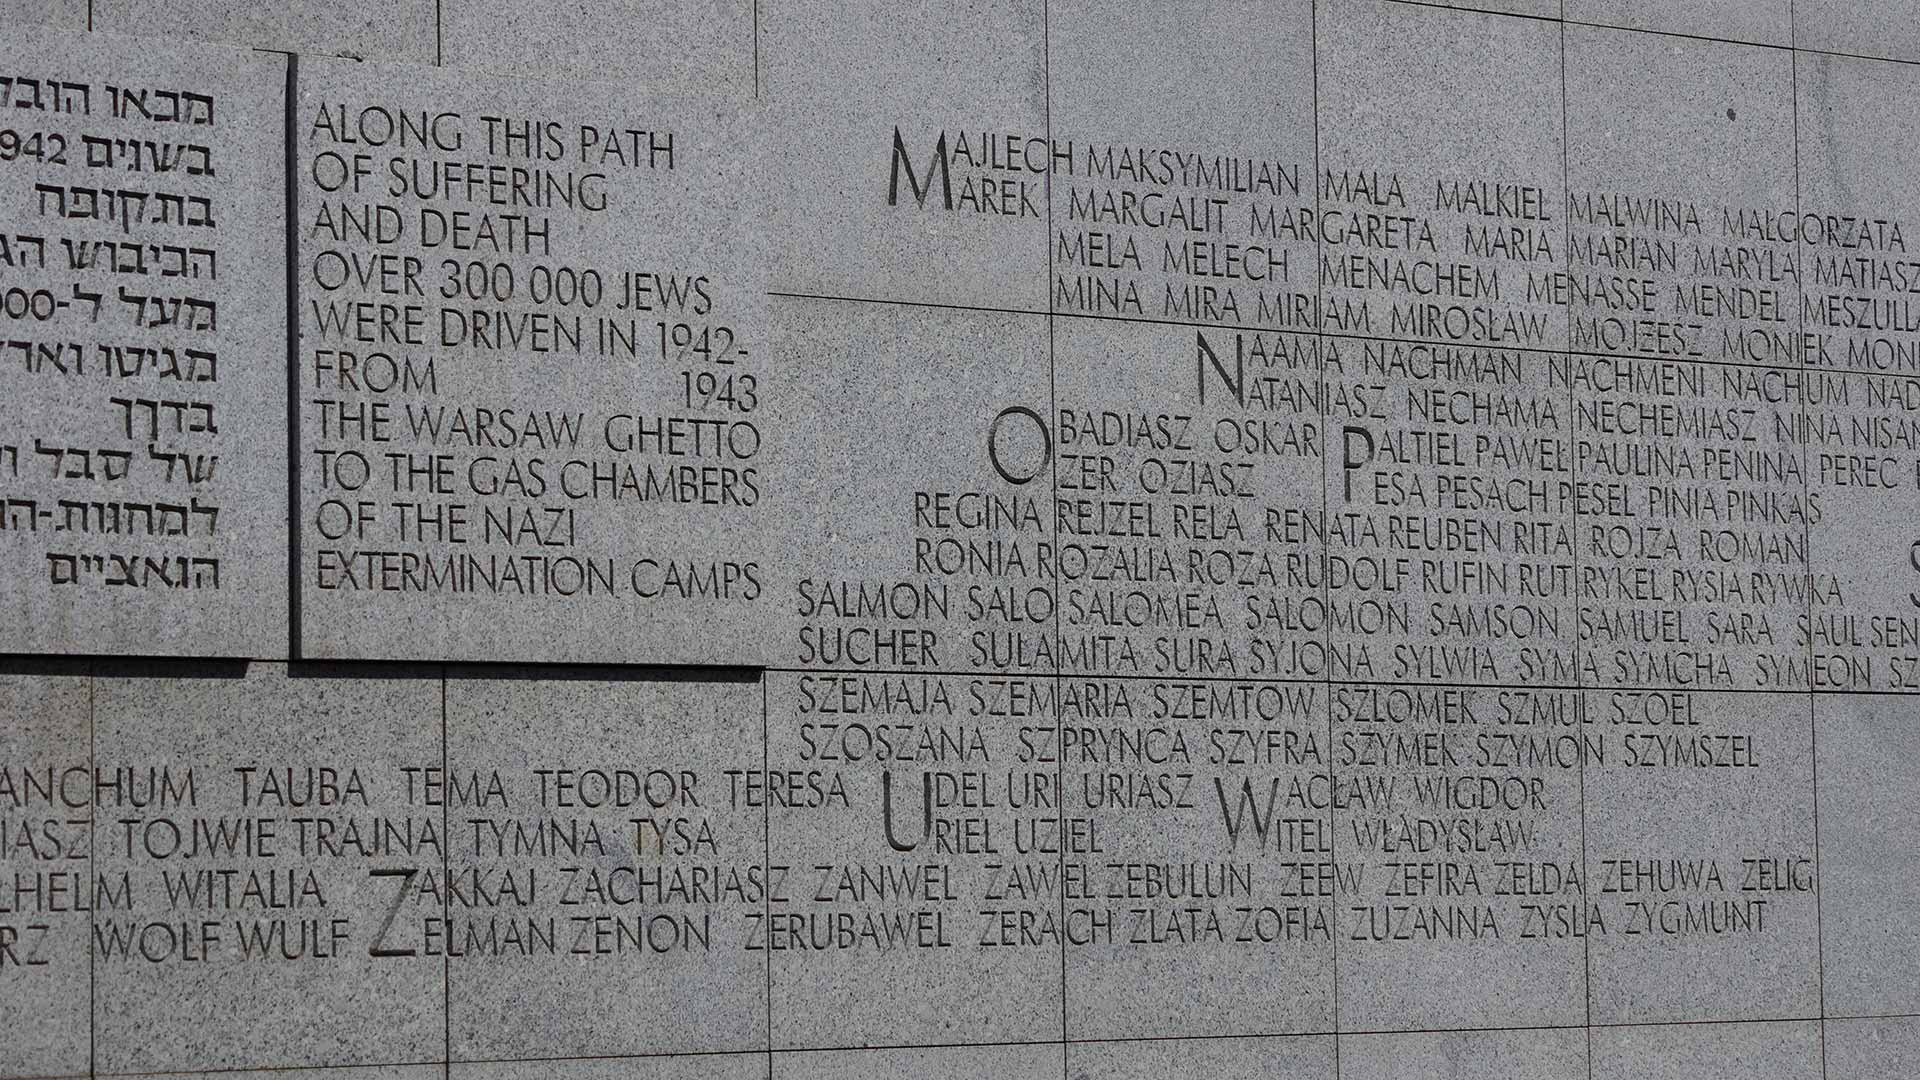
1311, 538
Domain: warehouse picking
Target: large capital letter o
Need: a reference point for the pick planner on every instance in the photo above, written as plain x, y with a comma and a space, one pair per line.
993, 443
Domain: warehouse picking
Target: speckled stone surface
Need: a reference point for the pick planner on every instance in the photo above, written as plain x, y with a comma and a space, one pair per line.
1307, 1057
1786, 1051
1879, 28
61, 14
1871, 1049
1869, 797
924, 179
1463, 1055
930, 1063
644, 42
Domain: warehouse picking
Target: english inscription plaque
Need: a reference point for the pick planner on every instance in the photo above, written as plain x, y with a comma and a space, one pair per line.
532, 372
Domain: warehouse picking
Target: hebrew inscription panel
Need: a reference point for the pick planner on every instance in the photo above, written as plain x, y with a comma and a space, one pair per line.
142, 385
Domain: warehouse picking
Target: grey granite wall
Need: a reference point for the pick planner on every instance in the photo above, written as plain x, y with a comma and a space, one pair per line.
1311, 538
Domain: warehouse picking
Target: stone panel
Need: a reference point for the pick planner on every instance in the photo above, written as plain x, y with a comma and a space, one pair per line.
271, 831
1680, 164
917, 826
689, 1067
46, 857
145, 387
1701, 858
1556, 1054
532, 372
1393, 198
1871, 1049
1192, 206
362, 29
916, 532
1860, 27
925, 178
928, 1063
1863, 440
709, 43
1764, 22
1458, 840
1781, 1051
1307, 1057
61, 14
605, 855
1869, 758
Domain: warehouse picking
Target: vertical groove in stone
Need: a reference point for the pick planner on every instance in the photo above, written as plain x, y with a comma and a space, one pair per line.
290, 176
1806, 524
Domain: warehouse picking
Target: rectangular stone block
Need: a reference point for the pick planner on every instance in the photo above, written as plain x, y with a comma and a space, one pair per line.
607, 858
1700, 858
690, 1067
269, 844
46, 846
1188, 496
923, 180
1762, 22
709, 43
1680, 178
1860, 27
915, 825
1871, 1049
532, 371
1450, 552
1869, 773
60, 14
1309, 1057
915, 528
1457, 843
1692, 524
1194, 206
928, 1063
1858, 216
144, 466
1778, 1051
1551, 1054
1204, 901
1439, 240
362, 29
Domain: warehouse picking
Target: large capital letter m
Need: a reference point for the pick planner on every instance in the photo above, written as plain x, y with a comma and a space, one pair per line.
918, 185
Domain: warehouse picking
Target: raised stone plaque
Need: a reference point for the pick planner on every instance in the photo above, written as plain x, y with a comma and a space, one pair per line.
143, 388
1339, 539
531, 373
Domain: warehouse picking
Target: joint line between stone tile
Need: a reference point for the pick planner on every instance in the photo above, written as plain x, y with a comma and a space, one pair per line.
1580, 694
766, 866
93, 867
446, 912
1053, 403
1320, 363
1806, 525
